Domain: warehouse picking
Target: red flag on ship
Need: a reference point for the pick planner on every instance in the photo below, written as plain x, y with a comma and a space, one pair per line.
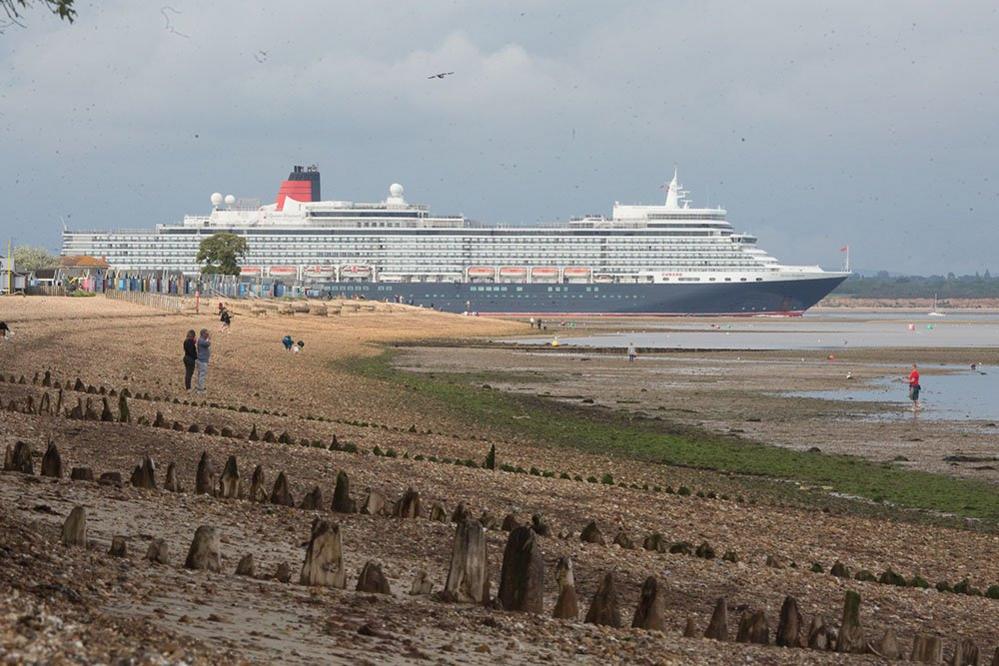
845, 248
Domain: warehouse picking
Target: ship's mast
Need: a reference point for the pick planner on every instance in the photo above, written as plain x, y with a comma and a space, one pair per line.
673, 192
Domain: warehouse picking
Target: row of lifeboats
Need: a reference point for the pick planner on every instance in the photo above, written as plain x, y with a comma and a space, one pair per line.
310, 272
521, 273
473, 273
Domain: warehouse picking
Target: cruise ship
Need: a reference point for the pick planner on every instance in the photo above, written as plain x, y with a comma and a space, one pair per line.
664, 259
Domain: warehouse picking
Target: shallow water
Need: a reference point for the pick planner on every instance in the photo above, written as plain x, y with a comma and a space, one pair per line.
965, 394
816, 332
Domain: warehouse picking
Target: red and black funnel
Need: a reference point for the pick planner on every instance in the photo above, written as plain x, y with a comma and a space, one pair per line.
302, 185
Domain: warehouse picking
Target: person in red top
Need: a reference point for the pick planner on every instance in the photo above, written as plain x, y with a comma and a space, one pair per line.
914, 387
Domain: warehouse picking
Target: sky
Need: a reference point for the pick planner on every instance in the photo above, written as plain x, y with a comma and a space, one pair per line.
815, 124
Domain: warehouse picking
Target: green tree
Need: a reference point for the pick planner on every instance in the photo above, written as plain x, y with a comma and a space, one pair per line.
220, 253
27, 258
14, 9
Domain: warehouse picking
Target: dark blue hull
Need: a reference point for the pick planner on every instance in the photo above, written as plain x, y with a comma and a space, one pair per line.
782, 297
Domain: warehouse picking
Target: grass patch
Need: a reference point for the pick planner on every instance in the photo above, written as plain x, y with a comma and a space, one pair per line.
616, 433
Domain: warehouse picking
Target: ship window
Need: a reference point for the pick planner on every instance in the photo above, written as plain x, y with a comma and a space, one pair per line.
759, 279
742, 279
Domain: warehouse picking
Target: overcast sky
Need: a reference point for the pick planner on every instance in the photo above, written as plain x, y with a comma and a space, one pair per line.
816, 125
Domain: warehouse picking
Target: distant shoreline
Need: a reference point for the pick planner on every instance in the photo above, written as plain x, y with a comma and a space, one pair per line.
950, 304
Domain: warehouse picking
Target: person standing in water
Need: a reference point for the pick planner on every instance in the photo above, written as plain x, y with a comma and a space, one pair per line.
914, 388
632, 354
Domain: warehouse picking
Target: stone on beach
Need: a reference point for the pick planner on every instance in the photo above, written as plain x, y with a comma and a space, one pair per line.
204, 553
17, 458
373, 504
566, 606
74, 530
604, 606
229, 481
323, 564
171, 483
280, 494
753, 628
591, 534
718, 625
623, 540
408, 505
144, 474
421, 584
886, 647
789, 625
245, 567
81, 474
205, 476
468, 574
438, 513
111, 479
52, 462
927, 649
851, 634
522, 576
649, 614
119, 547
372, 580
158, 552
690, 628
313, 500
342, 502
258, 485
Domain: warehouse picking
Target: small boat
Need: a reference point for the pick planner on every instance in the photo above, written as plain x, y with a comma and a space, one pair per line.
355, 271
250, 270
544, 273
576, 273
603, 278
481, 272
513, 272
933, 312
283, 271
318, 272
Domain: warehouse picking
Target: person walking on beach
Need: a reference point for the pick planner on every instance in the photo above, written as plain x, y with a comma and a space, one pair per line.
4, 330
204, 354
287, 341
190, 357
632, 354
914, 388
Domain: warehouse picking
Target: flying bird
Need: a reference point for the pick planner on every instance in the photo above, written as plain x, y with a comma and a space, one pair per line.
440, 76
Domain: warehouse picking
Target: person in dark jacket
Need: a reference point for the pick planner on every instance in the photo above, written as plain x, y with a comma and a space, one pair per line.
190, 357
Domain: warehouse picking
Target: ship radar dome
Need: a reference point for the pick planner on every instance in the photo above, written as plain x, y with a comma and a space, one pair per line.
217, 199
395, 190
229, 200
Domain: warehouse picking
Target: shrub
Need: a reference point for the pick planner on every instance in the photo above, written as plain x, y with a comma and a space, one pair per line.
944, 586
491, 458
591, 479
657, 489
730, 556
920, 582
548, 474
607, 480
992, 592
377, 450
507, 468
350, 447
577, 478
700, 493
564, 475
391, 454
816, 568
684, 490
705, 551
865, 575
418, 456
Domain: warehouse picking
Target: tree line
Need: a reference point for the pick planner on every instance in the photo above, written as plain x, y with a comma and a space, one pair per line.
883, 285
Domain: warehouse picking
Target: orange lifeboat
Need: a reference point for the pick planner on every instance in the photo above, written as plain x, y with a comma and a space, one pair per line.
576, 273
476, 272
249, 270
544, 273
512, 273
283, 271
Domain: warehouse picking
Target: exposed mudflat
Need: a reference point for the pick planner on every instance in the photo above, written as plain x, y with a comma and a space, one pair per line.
81, 605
